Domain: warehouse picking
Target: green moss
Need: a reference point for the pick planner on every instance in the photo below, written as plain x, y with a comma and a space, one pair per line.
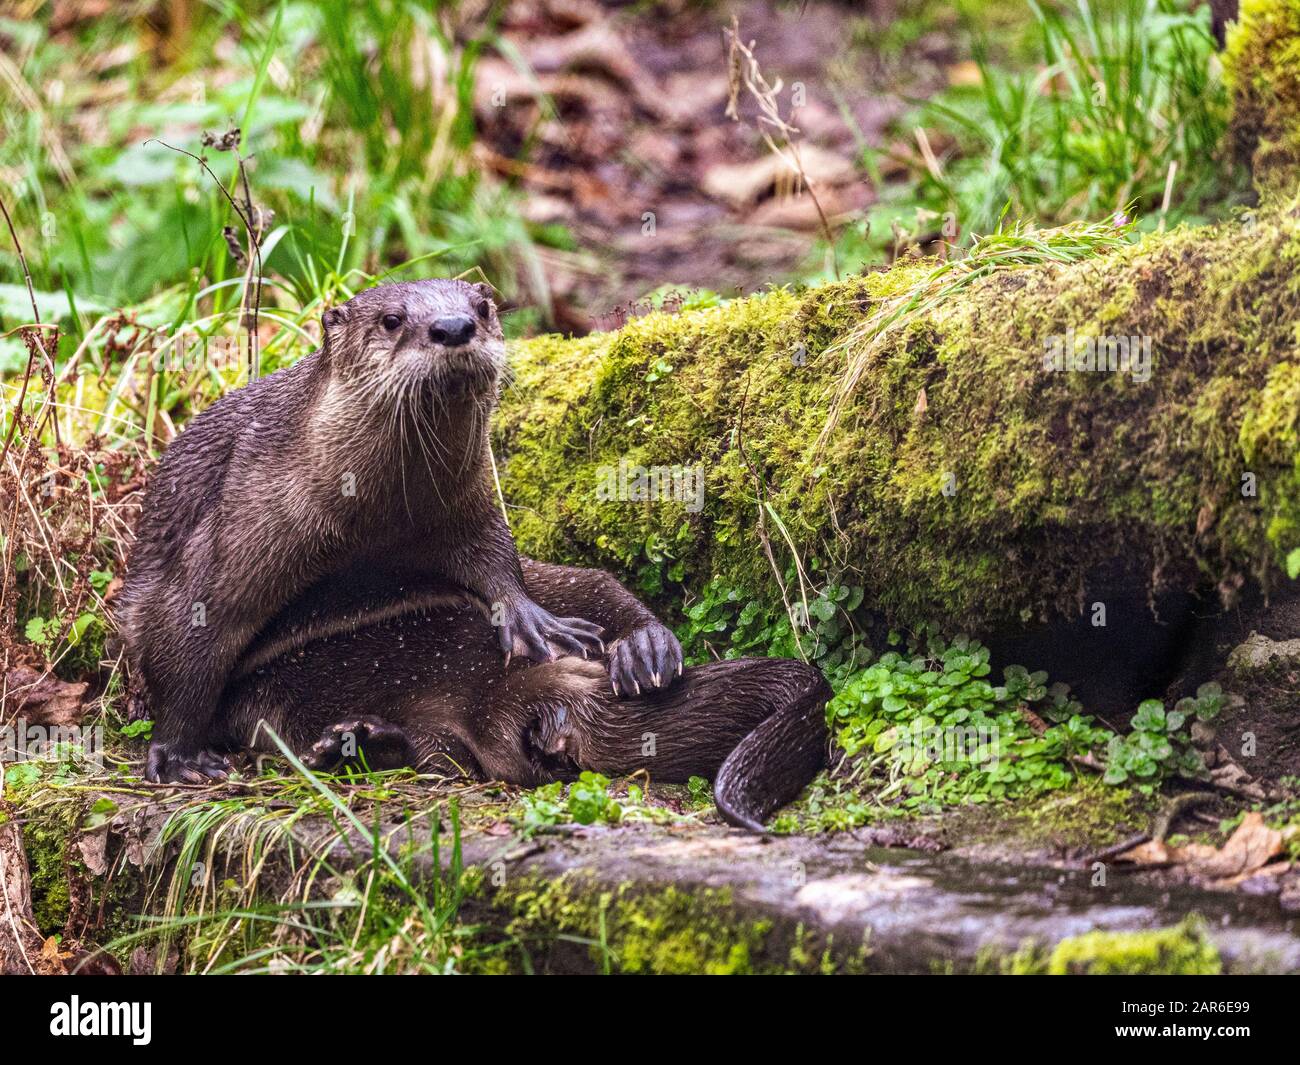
1084, 818
1262, 68
638, 929
665, 932
1054, 473
47, 845
1089, 816
1182, 950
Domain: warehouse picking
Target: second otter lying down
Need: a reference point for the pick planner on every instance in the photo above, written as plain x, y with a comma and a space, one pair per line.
410, 672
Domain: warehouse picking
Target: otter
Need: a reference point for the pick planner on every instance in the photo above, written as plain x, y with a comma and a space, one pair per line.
369, 453
319, 557
403, 671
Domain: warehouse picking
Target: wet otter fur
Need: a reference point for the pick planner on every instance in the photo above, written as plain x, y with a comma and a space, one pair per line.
371, 452
406, 672
320, 554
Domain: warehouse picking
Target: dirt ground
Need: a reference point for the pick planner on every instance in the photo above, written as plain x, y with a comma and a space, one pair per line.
658, 186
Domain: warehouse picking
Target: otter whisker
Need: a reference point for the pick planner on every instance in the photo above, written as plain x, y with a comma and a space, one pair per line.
420, 439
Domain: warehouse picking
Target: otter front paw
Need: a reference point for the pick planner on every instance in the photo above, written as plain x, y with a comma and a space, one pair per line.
650, 657
535, 633
362, 741
170, 764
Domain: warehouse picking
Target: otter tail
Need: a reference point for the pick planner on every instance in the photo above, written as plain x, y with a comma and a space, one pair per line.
771, 765
755, 726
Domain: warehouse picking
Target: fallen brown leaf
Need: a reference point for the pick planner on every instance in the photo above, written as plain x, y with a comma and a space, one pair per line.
1231, 777
43, 699
1249, 848
772, 174
966, 72
52, 961
1247, 852
93, 847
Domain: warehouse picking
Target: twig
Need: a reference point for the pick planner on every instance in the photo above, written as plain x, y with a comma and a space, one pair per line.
762, 526
36, 317
1169, 192
1119, 848
252, 240
22, 259
11, 836
1174, 808
742, 68
255, 241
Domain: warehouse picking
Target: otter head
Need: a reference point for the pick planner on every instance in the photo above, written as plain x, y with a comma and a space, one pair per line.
443, 337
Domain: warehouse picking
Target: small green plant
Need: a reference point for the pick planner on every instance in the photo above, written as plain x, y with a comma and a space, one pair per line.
142, 729
701, 792
832, 804
586, 801
22, 775
1158, 747
75, 644
592, 799
726, 622
659, 370
929, 729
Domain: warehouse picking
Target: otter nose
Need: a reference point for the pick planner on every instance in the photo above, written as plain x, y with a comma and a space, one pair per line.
453, 330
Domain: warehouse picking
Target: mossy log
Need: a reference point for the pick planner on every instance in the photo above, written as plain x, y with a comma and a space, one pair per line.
1262, 65
964, 481
680, 898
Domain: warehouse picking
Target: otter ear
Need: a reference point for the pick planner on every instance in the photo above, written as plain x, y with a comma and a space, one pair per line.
334, 317
331, 322
485, 290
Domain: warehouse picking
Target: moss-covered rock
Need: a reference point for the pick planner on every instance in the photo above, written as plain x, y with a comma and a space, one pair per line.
1077, 821
1262, 66
1179, 951
48, 846
963, 481
661, 931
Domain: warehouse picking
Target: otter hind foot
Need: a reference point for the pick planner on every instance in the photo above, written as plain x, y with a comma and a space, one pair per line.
361, 742
169, 765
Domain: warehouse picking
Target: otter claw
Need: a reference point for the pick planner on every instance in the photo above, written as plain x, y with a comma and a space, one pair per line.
535, 633
647, 659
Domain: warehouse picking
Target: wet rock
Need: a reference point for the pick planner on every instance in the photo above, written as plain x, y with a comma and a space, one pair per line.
915, 912
1259, 652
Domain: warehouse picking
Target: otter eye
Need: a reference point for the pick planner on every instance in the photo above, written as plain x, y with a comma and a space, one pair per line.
391, 321
484, 309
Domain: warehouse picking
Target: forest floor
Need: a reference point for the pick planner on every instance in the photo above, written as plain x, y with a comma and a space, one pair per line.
666, 889
643, 129
637, 190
